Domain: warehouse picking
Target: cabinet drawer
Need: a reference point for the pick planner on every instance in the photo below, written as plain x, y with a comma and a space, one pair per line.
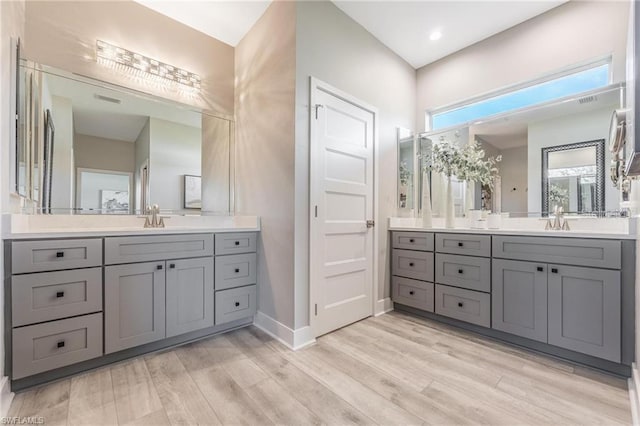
54, 255
464, 305
569, 251
235, 271
418, 294
158, 247
236, 303
51, 345
468, 244
242, 242
473, 273
52, 295
412, 264
422, 241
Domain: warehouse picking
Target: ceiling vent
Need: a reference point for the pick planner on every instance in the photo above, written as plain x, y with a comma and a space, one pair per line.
587, 99
107, 99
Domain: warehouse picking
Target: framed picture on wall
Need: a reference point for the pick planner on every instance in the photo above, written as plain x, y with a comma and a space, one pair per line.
192, 192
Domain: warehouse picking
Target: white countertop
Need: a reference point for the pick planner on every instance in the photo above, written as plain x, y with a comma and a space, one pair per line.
618, 228
20, 227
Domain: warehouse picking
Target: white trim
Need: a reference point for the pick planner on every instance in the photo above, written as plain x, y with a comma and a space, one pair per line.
6, 396
634, 397
316, 84
383, 306
293, 339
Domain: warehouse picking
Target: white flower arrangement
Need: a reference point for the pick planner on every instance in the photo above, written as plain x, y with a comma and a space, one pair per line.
466, 163
405, 174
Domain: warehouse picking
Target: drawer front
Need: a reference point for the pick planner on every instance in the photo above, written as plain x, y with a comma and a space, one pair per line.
236, 303
235, 271
464, 305
417, 294
467, 244
52, 295
42, 347
158, 247
55, 255
236, 243
422, 241
412, 264
473, 273
568, 251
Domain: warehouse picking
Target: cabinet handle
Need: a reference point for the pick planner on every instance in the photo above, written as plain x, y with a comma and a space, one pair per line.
237, 304
237, 270
411, 240
554, 270
61, 344
460, 244
411, 264
159, 267
172, 266
237, 243
60, 294
540, 268
411, 292
460, 304
460, 271
60, 254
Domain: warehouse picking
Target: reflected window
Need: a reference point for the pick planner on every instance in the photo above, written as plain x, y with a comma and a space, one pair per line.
574, 83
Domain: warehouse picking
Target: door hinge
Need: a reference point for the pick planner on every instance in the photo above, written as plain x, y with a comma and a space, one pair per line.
318, 106
371, 224
316, 309
316, 211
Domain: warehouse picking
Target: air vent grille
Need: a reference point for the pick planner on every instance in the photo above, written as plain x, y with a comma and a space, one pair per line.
107, 99
588, 99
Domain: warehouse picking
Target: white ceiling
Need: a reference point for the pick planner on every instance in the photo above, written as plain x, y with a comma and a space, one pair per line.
403, 26
120, 121
227, 21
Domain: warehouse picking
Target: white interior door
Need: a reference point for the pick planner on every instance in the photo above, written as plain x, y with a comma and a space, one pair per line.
342, 203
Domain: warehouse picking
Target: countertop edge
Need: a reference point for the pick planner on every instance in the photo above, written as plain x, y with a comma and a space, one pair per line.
122, 233
518, 232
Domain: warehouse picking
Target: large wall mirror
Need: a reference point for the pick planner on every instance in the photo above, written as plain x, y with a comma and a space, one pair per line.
87, 147
552, 154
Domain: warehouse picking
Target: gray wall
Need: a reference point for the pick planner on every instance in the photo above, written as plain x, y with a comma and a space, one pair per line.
92, 152
572, 33
335, 49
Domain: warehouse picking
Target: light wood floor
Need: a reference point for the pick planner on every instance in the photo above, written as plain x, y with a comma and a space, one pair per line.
394, 369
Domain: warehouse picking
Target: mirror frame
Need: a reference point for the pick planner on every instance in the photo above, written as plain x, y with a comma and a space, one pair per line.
600, 187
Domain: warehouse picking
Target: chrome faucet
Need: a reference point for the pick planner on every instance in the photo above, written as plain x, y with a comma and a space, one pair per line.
560, 223
156, 221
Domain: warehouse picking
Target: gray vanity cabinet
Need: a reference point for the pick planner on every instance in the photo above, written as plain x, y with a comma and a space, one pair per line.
189, 295
519, 298
584, 310
134, 300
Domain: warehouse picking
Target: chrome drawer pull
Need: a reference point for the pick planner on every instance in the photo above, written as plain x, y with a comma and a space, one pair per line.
60, 294
61, 344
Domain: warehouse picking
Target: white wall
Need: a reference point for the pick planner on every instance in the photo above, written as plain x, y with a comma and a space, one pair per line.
175, 151
513, 172
565, 130
63, 170
575, 32
335, 49
106, 154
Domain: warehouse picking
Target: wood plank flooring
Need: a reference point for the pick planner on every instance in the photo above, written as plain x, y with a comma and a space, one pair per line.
393, 369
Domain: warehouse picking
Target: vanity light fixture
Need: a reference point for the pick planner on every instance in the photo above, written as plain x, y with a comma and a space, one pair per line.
143, 66
436, 35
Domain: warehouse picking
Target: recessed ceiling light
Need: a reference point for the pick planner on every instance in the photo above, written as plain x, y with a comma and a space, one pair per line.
436, 35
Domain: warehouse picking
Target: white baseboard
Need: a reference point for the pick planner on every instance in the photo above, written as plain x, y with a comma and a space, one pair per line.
6, 396
293, 339
383, 306
634, 396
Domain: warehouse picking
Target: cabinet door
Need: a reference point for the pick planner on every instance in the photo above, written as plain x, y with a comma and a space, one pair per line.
189, 295
134, 305
584, 310
519, 298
